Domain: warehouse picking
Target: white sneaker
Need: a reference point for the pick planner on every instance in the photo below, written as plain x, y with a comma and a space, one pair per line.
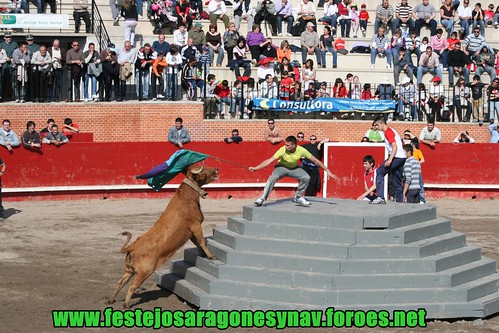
289, 35
95, 96
279, 34
323, 113
17, 100
140, 17
259, 202
378, 201
160, 96
388, 66
372, 66
22, 100
154, 99
302, 201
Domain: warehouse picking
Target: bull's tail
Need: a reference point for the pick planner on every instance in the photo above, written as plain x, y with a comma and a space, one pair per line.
124, 248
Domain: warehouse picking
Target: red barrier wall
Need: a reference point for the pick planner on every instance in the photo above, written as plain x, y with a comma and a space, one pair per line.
80, 164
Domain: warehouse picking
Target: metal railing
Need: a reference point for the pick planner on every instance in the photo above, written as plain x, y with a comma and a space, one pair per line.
98, 27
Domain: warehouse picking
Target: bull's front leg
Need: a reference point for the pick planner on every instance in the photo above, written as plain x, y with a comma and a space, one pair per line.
198, 240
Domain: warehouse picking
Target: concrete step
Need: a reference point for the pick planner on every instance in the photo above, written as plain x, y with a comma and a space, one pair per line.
291, 231
442, 243
179, 287
279, 245
274, 260
490, 304
435, 263
405, 235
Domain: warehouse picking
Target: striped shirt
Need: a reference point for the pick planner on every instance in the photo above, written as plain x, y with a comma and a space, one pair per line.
412, 170
409, 42
384, 12
473, 42
403, 11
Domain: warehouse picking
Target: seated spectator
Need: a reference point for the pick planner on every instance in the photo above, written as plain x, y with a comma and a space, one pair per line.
188, 51
430, 135
269, 51
308, 73
310, 93
178, 135
464, 14
327, 45
255, 41
161, 45
489, 15
494, 132
55, 137
485, 62
268, 89
385, 91
403, 12
306, 14
198, 37
265, 68
296, 92
183, 11
286, 66
239, 59
242, 11
47, 129
69, 128
234, 138
217, 10
284, 51
265, 11
230, 39
310, 42
214, 43
385, 16
407, 99
344, 18
191, 78
464, 137
425, 15
412, 46
31, 138
180, 37
272, 133
429, 63
284, 13
447, 13
8, 138
478, 18
323, 91
330, 14
473, 43
375, 135
80, 12
457, 61
440, 46
174, 60
401, 65
380, 45
461, 100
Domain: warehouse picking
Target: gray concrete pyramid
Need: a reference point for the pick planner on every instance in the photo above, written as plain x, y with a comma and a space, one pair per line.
342, 253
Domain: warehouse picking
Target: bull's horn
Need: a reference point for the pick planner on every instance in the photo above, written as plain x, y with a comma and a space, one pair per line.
198, 171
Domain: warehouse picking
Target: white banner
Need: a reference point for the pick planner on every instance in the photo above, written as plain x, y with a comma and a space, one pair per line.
34, 21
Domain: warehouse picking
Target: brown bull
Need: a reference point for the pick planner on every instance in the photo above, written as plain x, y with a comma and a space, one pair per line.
180, 222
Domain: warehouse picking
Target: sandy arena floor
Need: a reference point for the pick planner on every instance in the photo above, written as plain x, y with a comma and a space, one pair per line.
65, 255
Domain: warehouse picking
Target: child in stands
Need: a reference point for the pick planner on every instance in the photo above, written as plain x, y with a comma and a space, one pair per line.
354, 16
369, 177
363, 19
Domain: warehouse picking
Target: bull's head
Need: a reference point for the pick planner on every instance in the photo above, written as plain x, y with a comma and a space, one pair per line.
201, 175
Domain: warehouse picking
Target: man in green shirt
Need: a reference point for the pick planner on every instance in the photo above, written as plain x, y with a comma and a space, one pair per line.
287, 166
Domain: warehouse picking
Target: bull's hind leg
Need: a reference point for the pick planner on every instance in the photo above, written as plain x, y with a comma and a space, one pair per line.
140, 277
198, 240
121, 283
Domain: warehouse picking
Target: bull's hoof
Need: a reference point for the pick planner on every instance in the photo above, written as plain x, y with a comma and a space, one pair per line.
212, 258
126, 305
109, 301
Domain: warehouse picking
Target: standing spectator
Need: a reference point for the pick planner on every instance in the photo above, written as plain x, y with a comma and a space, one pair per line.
380, 45
269, 90
180, 37
456, 62
400, 65
461, 100
80, 12
464, 13
437, 98
272, 133
393, 165
178, 134
38, 3
385, 91
8, 138
407, 95
493, 95
306, 14
157, 76
6, 78
425, 15
110, 73
52, 4
214, 43
440, 46
234, 138
429, 63
174, 61
309, 73
412, 176
217, 10
284, 13
403, 12
230, 41
344, 18
310, 41
236, 101
265, 11
430, 134
198, 37
239, 59
33, 74
2, 171
477, 96
58, 56
255, 41
20, 61
55, 137
189, 51
326, 44
126, 57
130, 13
204, 61
242, 11
145, 59
183, 9
447, 13
115, 10
354, 16
385, 16
269, 51
43, 68
494, 132
375, 135
31, 138
74, 59
473, 43
485, 61
316, 149
363, 19
92, 70
478, 18
32, 46
161, 45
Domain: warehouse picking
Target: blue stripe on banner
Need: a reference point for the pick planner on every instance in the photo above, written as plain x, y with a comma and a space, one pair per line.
324, 104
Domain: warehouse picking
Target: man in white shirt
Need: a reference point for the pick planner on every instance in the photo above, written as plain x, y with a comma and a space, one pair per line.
464, 13
217, 10
430, 134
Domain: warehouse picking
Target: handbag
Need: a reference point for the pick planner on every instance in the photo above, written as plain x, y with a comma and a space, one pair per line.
308, 17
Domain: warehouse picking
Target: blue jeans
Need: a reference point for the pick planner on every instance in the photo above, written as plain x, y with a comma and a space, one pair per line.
142, 77
161, 81
245, 65
345, 25
196, 84
86, 79
288, 19
140, 6
220, 52
395, 170
331, 20
392, 24
239, 102
400, 110
226, 100
374, 53
480, 23
171, 85
465, 72
465, 24
37, 3
317, 52
421, 191
410, 23
443, 56
423, 70
448, 25
333, 52
419, 24
486, 68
